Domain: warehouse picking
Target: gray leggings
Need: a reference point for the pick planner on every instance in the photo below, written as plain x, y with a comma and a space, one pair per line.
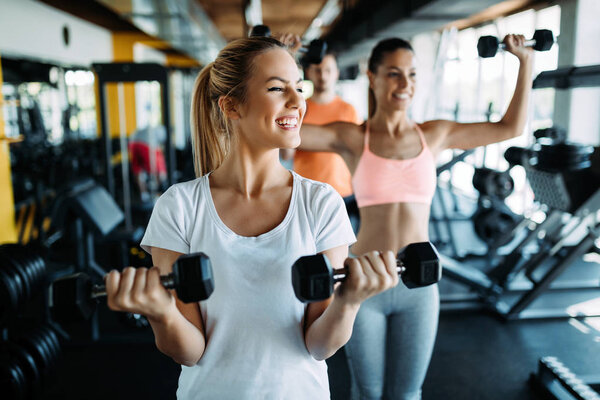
392, 341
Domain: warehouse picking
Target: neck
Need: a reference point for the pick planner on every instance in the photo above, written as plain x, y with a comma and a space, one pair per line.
323, 97
393, 123
250, 171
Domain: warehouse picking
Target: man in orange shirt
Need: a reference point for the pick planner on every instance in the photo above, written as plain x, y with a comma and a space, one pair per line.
323, 107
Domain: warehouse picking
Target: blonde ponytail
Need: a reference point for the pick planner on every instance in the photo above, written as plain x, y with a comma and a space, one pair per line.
209, 139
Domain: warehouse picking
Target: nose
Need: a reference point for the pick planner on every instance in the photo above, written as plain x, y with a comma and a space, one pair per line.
295, 100
403, 82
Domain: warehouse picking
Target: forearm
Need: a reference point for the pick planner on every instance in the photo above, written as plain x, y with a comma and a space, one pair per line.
178, 338
516, 114
331, 330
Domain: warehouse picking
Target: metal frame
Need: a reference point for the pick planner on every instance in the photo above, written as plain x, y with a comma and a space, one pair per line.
131, 73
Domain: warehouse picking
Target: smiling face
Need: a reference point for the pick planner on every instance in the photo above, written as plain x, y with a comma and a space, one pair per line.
271, 115
394, 81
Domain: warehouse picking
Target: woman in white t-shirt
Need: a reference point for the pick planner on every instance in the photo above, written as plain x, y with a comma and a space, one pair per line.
252, 339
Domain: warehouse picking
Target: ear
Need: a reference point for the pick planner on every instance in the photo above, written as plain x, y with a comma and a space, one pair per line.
229, 107
371, 78
336, 73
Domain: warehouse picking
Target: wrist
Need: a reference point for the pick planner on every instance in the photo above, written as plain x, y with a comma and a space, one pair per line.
345, 305
166, 317
525, 58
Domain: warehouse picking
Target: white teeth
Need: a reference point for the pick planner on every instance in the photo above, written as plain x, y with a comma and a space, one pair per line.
402, 96
287, 122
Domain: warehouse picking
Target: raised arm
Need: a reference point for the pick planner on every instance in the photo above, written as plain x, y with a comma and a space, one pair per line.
451, 134
333, 137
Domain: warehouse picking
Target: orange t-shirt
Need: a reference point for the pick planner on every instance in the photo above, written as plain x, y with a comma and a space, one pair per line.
326, 166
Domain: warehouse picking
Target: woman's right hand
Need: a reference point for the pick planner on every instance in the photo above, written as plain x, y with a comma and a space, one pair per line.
139, 291
368, 275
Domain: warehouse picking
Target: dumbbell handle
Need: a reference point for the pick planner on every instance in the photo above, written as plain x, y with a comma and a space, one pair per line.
527, 43
168, 282
340, 274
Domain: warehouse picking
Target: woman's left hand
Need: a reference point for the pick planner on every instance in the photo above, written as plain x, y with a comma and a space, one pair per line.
368, 275
291, 40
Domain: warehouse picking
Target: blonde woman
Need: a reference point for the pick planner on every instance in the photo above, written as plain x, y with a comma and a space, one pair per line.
252, 339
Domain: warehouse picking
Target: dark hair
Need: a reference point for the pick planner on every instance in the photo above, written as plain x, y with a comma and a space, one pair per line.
306, 62
226, 76
379, 51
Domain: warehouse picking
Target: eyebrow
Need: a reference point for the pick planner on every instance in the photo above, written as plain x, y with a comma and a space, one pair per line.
282, 80
399, 69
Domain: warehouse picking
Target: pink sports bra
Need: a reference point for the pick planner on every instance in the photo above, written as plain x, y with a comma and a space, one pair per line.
379, 180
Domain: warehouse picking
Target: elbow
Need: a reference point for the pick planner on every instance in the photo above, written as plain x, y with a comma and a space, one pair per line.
512, 130
186, 363
325, 350
188, 360
321, 355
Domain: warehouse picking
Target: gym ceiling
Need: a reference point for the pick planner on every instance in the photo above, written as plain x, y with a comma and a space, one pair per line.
199, 28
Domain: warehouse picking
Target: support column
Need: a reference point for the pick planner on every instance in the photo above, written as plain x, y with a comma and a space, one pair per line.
577, 110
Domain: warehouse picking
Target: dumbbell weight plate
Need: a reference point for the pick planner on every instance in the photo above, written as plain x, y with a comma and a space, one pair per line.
39, 350
24, 272
45, 334
12, 380
544, 39
29, 367
564, 157
489, 182
193, 277
9, 293
425, 255
487, 46
54, 342
16, 272
490, 223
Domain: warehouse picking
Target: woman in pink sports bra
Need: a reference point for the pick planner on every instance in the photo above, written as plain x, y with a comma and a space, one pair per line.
392, 160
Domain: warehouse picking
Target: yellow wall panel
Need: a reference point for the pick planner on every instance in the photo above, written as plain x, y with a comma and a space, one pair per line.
122, 52
8, 232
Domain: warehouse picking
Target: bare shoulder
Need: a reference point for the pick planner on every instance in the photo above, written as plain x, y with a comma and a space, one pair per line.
435, 131
435, 127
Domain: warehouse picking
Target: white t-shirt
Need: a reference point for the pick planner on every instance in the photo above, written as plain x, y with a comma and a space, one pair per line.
255, 343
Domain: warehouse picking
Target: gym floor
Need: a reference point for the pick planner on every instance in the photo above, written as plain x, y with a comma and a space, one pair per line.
477, 356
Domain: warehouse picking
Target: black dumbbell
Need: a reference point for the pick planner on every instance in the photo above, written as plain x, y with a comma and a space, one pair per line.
22, 273
489, 182
28, 365
313, 278
313, 53
520, 156
488, 46
74, 297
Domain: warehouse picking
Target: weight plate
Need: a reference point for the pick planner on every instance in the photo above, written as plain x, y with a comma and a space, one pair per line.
12, 381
